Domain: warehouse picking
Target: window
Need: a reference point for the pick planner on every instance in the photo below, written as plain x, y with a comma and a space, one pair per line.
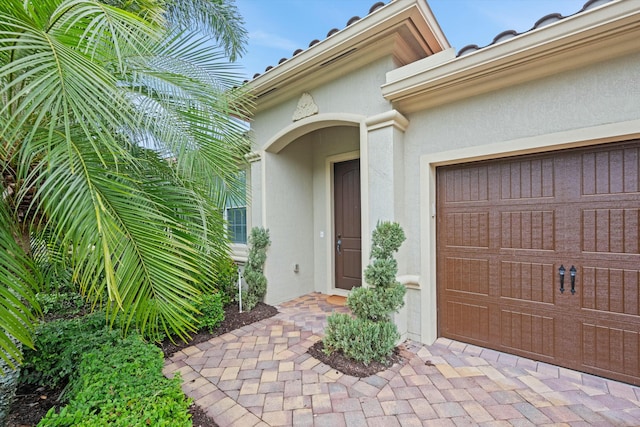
235, 213
237, 224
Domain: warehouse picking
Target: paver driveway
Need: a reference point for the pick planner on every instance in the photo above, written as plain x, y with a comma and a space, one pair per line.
261, 375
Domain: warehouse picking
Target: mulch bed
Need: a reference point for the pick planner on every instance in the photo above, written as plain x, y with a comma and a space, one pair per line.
342, 363
233, 320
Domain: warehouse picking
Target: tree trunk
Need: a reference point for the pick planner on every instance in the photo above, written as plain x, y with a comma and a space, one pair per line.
24, 239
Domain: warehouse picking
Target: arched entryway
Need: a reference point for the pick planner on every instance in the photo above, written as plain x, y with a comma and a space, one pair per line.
298, 204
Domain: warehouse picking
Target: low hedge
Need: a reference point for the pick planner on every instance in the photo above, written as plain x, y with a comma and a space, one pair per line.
122, 385
60, 345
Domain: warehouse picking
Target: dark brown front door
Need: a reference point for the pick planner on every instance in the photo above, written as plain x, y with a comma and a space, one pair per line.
347, 239
505, 230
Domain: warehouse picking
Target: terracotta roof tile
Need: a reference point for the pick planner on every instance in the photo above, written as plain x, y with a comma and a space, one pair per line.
542, 22
331, 32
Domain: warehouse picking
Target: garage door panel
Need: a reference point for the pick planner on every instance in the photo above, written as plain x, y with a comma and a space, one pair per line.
470, 229
466, 184
532, 229
527, 281
611, 290
611, 350
611, 171
631, 170
611, 230
526, 179
469, 321
527, 332
468, 275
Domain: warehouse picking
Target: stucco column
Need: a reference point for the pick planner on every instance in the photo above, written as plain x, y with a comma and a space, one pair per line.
254, 195
382, 169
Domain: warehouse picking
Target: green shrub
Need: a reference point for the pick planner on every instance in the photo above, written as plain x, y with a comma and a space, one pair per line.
59, 346
381, 273
371, 335
254, 270
122, 385
60, 303
212, 311
386, 239
227, 281
376, 304
360, 339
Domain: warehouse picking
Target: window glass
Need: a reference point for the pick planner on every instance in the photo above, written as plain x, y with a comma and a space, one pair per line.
237, 224
236, 213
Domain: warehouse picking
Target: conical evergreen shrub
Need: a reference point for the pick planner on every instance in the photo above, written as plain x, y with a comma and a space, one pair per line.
371, 335
259, 241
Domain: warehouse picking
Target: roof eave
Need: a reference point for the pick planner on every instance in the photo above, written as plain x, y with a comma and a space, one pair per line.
606, 32
405, 29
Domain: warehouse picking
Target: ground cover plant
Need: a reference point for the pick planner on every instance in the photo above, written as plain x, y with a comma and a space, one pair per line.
122, 385
60, 345
105, 378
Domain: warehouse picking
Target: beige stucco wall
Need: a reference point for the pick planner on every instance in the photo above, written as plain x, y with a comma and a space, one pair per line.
287, 209
607, 92
294, 198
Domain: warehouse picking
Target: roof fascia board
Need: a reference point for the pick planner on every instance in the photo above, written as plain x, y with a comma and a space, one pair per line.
592, 36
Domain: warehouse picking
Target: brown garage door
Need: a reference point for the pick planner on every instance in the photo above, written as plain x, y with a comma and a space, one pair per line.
507, 227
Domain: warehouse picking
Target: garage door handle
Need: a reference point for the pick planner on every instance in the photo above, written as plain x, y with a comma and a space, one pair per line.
572, 273
561, 271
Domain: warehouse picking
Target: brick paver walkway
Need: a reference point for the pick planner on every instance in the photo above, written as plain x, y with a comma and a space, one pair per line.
261, 375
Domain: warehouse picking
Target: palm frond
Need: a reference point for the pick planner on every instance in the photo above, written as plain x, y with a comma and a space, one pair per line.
17, 295
140, 238
217, 18
51, 81
193, 109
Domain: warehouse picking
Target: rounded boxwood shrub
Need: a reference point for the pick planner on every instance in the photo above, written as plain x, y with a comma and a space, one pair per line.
363, 340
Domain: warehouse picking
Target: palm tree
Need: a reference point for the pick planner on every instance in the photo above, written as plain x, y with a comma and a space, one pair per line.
120, 137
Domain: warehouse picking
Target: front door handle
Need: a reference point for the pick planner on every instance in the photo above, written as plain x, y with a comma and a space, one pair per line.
572, 274
339, 244
561, 272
